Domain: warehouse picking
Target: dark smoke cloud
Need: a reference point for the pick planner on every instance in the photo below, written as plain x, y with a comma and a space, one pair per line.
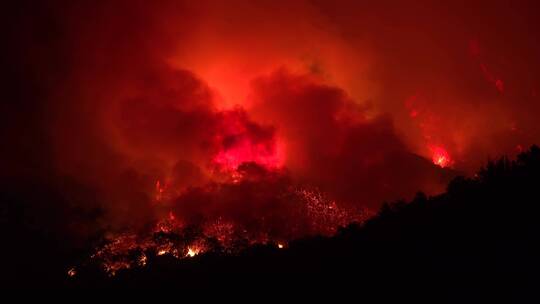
471, 65
109, 97
332, 144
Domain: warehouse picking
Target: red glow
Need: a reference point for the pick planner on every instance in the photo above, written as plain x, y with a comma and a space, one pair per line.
441, 157
159, 191
269, 155
497, 82
429, 124
241, 141
224, 111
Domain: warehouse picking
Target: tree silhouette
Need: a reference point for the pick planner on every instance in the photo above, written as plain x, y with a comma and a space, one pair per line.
480, 235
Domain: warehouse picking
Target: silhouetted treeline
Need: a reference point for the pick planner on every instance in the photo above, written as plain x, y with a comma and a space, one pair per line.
479, 238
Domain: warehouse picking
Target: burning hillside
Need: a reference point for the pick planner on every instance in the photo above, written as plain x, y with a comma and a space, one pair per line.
179, 127
212, 219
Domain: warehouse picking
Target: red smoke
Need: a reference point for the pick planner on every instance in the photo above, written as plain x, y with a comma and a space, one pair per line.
241, 141
237, 116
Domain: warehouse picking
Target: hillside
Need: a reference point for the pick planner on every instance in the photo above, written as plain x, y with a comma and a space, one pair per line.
477, 237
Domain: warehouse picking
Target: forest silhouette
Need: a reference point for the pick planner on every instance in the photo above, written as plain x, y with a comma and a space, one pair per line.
481, 235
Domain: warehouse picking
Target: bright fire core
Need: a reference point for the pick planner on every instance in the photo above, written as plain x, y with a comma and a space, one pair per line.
441, 157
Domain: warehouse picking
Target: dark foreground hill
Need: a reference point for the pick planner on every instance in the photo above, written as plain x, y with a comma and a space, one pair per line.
479, 238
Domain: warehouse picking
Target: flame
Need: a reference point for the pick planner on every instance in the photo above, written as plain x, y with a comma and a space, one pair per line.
428, 123
72, 272
142, 260
192, 251
325, 217
441, 157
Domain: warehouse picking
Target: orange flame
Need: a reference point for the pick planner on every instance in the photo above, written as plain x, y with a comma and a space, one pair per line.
441, 157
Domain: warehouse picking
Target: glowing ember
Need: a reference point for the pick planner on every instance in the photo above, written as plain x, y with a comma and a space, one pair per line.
172, 238
325, 215
221, 230
441, 157
192, 252
142, 260
168, 224
72, 272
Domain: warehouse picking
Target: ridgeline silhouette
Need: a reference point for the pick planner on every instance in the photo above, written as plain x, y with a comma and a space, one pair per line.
481, 235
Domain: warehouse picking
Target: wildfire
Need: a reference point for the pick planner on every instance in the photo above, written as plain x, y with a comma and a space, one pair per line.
428, 122
221, 230
192, 252
165, 247
142, 260
441, 157
171, 237
168, 224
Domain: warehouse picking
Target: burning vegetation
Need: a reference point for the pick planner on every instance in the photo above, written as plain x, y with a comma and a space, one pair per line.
177, 128
317, 216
